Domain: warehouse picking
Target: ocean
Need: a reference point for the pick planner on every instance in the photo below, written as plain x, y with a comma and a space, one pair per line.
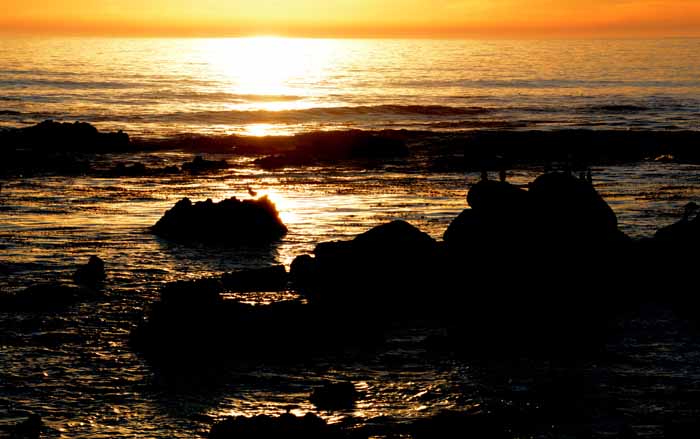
155, 87
76, 368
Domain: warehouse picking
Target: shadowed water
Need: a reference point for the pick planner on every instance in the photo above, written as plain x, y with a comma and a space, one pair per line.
76, 369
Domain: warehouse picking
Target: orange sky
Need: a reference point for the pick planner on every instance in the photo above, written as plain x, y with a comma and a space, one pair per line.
354, 18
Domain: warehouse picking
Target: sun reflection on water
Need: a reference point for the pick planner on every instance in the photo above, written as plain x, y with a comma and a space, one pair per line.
269, 67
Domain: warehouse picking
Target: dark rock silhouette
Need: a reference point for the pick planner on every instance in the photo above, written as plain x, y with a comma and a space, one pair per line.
57, 136
684, 234
192, 321
325, 147
30, 428
228, 222
287, 426
387, 266
580, 147
569, 208
541, 251
91, 274
334, 396
558, 211
139, 170
45, 297
199, 165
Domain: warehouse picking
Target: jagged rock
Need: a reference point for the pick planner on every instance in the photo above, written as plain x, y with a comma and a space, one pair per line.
228, 222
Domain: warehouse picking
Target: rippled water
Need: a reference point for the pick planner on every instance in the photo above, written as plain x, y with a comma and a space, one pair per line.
77, 371
260, 86
75, 368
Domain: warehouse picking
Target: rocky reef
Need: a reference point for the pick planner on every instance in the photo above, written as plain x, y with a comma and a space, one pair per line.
332, 147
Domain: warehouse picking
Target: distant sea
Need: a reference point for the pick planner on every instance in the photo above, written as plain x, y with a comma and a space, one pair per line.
260, 86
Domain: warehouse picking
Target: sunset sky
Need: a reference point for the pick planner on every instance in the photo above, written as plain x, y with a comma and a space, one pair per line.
354, 18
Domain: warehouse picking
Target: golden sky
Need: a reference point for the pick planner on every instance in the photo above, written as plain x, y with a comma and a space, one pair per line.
354, 18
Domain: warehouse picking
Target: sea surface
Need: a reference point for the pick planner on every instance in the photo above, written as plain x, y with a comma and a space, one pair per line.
76, 369
154, 87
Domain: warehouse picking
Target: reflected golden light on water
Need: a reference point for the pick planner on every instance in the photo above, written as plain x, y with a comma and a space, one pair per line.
268, 67
260, 129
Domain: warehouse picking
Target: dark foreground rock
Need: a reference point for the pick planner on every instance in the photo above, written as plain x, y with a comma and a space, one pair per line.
192, 322
389, 266
228, 222
286, 426
273, 278
532, 269
45, 297
683, 234
559, 212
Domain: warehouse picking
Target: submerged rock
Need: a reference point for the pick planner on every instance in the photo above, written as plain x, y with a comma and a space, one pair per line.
334, 396
44, 297
199, 165
323, 147
139, 170
285, 426
30, 428
228, 222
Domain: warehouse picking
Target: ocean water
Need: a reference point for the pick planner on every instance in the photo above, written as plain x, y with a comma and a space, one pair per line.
76, 369
154, 87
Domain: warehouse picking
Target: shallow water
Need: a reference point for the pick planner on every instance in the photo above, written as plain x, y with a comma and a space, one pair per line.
76, 369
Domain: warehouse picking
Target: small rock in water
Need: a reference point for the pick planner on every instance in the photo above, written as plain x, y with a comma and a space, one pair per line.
91, 274
30, 428
334, 396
